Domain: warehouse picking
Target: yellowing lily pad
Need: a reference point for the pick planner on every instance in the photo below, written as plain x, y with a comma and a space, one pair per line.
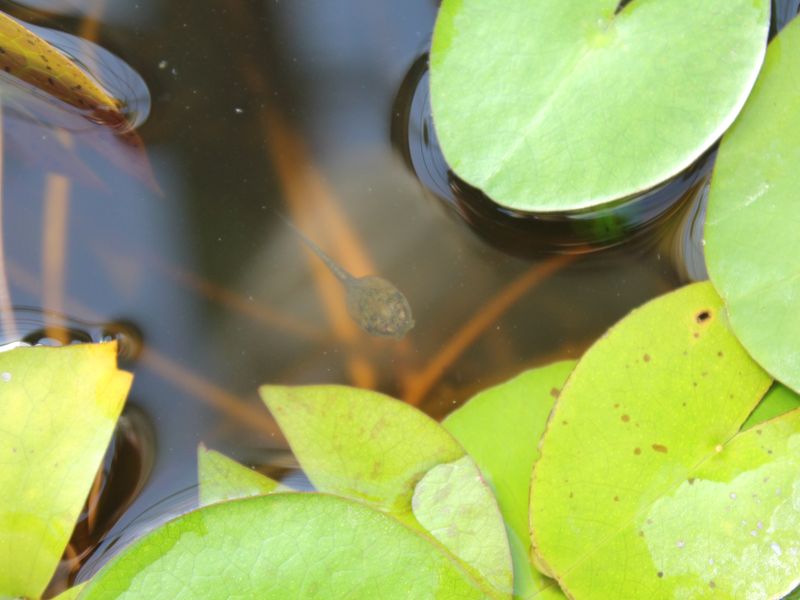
29, 58
644, 489
370, 447
554, 105
500, 428
59, 409
283, 546
753, 222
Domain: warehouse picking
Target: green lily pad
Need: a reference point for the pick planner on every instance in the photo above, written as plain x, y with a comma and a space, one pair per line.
557, 106
451, 503
60, 406
753, 220
500, 428
778, 401
644, 489
221, 478
370, 447
282, 546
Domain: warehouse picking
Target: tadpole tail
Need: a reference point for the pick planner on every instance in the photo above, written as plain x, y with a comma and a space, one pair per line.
338, 271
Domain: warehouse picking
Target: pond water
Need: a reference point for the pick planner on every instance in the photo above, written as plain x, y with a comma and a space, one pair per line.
313, 110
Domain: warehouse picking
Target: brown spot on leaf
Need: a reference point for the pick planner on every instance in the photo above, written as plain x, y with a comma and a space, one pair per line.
691, 480
554, 392
646, 358
703, 316
711, 584
637, 451
625, 418
660, 573
659, 448
616, 406
616, 498
563, 422
697, 335
720, 354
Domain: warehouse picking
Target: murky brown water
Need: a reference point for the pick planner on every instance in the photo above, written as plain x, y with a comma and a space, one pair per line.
315, 110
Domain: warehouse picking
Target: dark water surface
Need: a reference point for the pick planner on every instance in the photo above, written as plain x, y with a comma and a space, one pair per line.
316, 110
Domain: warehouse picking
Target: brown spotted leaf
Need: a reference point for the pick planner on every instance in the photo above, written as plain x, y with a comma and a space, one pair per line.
645, 488
30, 58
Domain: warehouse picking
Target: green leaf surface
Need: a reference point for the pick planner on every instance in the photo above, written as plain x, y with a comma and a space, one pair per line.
555, 106
453, 504
367, 446
500, 428
221, 478
644, 489
778, 401
59, 409
753, 220
282, 546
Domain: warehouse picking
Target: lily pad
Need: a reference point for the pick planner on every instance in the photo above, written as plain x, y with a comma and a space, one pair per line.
778, 401
60, 406
221, 478
500, 428
451, 503
32, 59
370, 447
753, 217
559, 106
283, 546
644, 489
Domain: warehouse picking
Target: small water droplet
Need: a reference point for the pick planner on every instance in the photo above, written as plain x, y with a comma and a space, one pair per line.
6, 376
680, 544
776, 548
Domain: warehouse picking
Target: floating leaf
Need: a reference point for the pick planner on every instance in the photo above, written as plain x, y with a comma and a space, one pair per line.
557, 106
752, 225
644, 489
451, 502
282, 546
59, 409
367, 446
778, 401
28, 57
500, 428
221, 478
